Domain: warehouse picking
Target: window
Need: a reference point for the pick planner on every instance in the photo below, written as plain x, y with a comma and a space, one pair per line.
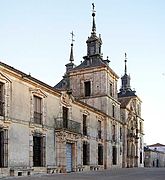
65, 117
37, 110
141, 157
100, 154
120, 133
113, 133
111, 89
38, 151
84, 124
87, 86
86, 153
99, 129
113, 110
3, 148
114, 155
1, 99
141, 129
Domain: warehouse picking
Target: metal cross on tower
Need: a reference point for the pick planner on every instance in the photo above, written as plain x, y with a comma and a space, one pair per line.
72, 36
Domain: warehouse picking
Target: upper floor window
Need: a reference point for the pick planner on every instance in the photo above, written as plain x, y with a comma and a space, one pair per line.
1, 99
65, 117
113, 132
84, 124
37, 110
99, 129
111, 89
113, 110
141, 127
121, 133
87, 88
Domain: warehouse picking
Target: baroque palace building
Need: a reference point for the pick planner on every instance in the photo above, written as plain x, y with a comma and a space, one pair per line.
83, 123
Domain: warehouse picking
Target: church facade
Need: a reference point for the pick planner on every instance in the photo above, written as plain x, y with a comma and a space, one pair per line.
83, 123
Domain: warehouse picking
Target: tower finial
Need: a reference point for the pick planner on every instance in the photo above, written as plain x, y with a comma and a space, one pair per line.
125, 63
93, 14
71, 53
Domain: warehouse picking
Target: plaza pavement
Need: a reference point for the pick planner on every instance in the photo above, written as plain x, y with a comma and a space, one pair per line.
113, 174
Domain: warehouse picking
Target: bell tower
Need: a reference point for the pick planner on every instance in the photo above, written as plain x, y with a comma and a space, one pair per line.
94, 43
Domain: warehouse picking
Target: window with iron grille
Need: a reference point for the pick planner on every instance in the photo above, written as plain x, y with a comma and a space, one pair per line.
114, 155
3, 148
87, 86
1, 99
84, 124
37, 110
86, 153
100, 154
39, 144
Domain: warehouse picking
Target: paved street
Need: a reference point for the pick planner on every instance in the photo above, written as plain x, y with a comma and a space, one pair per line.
115, 174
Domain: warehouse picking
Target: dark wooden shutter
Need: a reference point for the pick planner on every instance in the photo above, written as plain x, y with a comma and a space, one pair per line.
5, 148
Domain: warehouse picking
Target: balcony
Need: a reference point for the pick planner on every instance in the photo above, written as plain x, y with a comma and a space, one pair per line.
69, 125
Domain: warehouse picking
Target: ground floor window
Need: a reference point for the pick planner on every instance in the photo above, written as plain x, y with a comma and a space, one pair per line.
114, 155
38, 151
100, 154
86, 153
141, 158
3, 148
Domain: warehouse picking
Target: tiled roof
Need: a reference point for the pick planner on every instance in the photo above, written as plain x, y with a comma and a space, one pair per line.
90, 63
27, 76
126, 94
124, 101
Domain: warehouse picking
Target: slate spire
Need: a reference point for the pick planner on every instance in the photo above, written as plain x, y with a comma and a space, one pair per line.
125, 89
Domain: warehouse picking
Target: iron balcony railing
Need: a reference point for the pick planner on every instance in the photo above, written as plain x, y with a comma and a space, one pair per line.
67, 124
37, 117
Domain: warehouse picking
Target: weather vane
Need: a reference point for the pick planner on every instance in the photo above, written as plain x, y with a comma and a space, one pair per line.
125, 57
72, 36
93, 7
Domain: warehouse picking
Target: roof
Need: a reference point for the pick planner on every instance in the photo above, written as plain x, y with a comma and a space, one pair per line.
87, 63
28, 76
157, 145
124, 101
129, 93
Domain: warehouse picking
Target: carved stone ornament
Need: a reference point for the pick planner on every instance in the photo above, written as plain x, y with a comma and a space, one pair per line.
65, 100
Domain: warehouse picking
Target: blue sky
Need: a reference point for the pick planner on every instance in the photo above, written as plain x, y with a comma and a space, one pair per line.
35, 37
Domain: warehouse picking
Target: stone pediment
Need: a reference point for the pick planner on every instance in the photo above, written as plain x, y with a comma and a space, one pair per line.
38, 92
4, 78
